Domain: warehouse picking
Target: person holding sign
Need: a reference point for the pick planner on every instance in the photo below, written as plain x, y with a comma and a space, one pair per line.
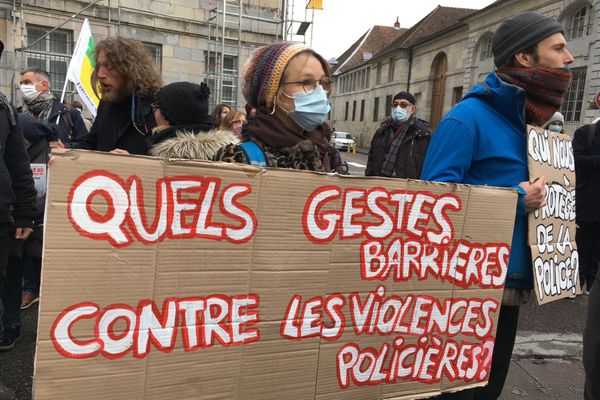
17, 201
482, 141
288, 84
129, 84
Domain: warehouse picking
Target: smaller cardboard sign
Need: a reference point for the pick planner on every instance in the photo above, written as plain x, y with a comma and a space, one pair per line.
552, 228
39, 178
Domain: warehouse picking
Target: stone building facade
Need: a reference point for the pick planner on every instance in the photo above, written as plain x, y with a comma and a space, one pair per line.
184, 37
444, 54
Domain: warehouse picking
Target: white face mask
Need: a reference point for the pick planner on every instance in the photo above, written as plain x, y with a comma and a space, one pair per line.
29, 92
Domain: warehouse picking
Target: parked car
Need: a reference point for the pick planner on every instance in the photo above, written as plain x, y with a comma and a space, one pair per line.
343, 141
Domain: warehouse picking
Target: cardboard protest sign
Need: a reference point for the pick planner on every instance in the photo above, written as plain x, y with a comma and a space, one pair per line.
552, 229
39, 178
190, 280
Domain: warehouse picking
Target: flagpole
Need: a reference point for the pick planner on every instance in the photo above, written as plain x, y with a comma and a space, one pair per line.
62, 97
312, 25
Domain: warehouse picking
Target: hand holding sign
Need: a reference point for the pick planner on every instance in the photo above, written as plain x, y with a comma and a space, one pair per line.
57, 145
536, 194
23, 233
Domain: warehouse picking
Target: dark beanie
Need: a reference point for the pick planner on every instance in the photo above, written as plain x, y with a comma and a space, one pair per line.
184, 103
405, 96
521, 32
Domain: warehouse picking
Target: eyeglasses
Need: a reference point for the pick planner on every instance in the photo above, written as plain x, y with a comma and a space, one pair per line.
309, 85
401, 104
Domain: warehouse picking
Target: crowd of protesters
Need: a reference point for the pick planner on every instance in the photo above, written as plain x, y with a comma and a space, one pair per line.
284, 125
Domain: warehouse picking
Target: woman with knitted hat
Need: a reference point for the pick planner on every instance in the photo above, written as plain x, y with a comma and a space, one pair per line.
288, 86
556, 122
184, 129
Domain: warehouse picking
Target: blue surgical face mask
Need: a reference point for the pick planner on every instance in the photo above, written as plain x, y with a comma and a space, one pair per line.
310, 109
555, 128
400, 114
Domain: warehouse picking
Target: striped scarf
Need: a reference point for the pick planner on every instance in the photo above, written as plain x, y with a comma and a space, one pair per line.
388, 167
40, 107
545, 89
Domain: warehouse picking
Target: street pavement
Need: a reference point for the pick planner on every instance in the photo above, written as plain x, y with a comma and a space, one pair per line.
546, 362
16, 365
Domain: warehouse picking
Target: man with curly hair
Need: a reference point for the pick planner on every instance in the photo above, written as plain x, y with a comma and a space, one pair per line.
128, 84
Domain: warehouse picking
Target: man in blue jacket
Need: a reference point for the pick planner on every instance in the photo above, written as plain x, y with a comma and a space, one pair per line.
45, 114
482, 141
44, 118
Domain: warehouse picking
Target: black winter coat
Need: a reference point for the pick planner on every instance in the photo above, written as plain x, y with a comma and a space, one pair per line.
113, 127
586, 150
17, 192
412, 152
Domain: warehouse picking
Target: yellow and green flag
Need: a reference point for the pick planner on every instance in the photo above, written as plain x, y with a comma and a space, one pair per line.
315, 4
82, 66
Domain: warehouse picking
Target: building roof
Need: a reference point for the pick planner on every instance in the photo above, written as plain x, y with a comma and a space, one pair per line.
436, 21
367, 46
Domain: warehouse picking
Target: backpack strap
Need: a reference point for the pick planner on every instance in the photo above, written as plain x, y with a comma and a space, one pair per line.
254, 153
68, 117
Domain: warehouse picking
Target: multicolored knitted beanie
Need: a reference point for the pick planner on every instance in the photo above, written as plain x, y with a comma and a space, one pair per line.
264, 72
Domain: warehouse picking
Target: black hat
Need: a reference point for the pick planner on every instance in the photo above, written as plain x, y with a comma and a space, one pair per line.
520, 32
405, 96
184, 103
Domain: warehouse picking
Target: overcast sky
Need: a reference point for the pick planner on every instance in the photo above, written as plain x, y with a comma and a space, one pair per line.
342, 22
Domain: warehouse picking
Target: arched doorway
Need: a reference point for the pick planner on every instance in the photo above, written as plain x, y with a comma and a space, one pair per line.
439, 71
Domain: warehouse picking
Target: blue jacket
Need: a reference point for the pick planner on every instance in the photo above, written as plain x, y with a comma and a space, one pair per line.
70, 128
482, 141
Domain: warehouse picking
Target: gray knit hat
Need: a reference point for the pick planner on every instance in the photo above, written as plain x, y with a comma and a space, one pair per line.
557, 117
521, 32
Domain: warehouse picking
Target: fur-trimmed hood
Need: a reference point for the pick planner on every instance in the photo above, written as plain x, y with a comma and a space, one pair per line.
190, 145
